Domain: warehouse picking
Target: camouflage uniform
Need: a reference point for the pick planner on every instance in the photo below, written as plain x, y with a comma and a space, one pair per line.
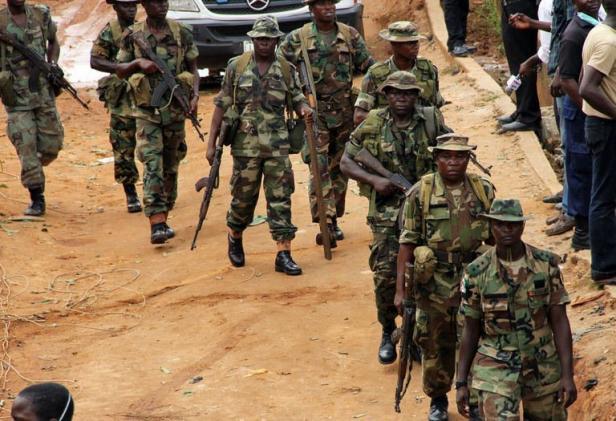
516, 359
260, 149
34, 126
332, 66
424, 71
402, 151
122, 126
452, 230
160, 131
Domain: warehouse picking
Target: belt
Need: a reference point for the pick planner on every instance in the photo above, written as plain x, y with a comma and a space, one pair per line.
456, 258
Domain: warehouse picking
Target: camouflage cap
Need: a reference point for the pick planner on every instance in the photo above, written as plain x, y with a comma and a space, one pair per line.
405, 81
452, 142
402, 31
266, 27
507, 210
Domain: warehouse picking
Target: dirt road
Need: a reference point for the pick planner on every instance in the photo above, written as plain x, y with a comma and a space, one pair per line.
163, 333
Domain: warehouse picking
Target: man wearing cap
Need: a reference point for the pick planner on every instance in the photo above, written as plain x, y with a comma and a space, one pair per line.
259, 87
160, 130
404, 39
112, 91
398, 138
335, 52
441, 234
516, 333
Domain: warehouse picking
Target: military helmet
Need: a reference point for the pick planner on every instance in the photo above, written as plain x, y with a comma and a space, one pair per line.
452, 142
506, 210
265, 26
405, 81
401, 31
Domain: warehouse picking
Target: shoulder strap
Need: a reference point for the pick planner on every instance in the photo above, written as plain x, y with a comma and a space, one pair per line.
425, 192
116, 32
175, 28
480, 192
242, 64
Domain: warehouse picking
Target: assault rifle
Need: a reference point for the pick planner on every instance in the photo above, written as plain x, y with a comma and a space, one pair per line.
485, 170
406, 342
52, 72
167, 84
371, 163
209, 183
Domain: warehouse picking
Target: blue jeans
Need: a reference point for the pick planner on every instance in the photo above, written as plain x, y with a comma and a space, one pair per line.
560, 101
601, 139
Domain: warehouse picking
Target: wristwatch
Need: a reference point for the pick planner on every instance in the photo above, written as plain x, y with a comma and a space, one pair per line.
461, 384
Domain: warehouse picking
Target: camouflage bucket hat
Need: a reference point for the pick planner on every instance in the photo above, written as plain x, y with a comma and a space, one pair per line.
402, 31
405, 81
265, 26
452, 142
507, 210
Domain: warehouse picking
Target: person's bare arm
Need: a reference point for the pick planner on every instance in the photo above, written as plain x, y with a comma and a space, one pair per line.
217, 116
590, 90
192, 68
351, 169
405, 255
571, 88
102, 64
523, 22
53, 50
468, 348
559, 322
124, 70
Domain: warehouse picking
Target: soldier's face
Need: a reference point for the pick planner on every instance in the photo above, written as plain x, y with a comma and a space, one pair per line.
264, 46
324, 11
156, 9
16, 3
126, 11
401, 102
452, 164
507, 234
406, 50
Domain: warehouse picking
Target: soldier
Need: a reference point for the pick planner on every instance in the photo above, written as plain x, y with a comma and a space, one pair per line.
160, 131
404, 39
441, 233
34, 126
258, 87
335, 52
112, 91
513, 297
398, 136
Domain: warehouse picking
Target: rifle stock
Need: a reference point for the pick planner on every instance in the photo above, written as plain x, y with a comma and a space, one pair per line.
405, 366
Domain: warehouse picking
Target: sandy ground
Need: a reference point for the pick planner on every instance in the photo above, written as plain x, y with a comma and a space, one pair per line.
163, 333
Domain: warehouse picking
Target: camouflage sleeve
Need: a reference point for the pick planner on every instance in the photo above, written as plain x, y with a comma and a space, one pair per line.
362, 59
291, 47
103, 44
411, 220
439, 101
189, 42
295, 90
442, 128
356, 142
471, 300
489, 189
126, 54
558, 293
52, 28
367, 95
224, 99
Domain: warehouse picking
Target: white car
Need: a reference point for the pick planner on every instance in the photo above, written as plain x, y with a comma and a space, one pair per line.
220, 26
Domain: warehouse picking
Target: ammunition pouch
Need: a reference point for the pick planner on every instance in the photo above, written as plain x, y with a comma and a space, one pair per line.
297, 133
141, 89
7, 92
110, 90
425, 264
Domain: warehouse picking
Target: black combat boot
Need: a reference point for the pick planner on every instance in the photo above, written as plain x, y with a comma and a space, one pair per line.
169, 231
581, 236
284, 263
37, 206
438, 409
236, 252
338, 234
132, 200
158, 233
332, 237
387, 349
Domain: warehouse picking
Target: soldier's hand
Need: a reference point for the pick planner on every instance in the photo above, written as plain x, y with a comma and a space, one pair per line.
399, 302
462, 401
525, 69
519, 21
209, 155
556, 87
567, 393
384, 187
147, 66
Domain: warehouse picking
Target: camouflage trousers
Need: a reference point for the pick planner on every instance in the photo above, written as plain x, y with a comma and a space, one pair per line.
495, 407
37, 136
331, 144
278, 184
383, 260
122, 137
160, 148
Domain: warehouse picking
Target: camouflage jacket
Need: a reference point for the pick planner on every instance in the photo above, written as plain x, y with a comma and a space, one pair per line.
106, 46
445, 227
176, 53
260, 102
424, 71
38, 31
333, 65
517, 346
404, 151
